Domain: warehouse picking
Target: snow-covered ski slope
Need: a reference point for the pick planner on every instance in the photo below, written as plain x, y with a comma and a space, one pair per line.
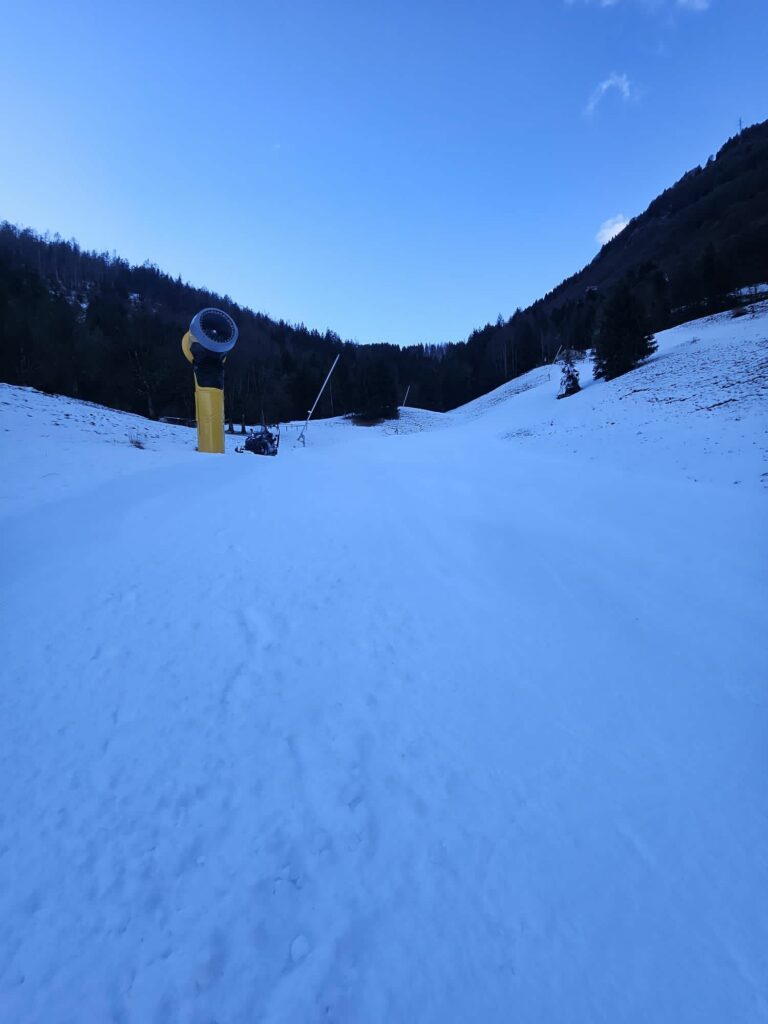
459, 719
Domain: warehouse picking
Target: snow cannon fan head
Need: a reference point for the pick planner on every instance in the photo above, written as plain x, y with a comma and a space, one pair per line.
215, 330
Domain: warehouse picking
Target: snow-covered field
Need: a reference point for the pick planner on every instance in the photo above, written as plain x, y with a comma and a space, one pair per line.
459, 719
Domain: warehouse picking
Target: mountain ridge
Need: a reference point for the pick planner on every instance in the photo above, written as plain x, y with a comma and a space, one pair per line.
90, 325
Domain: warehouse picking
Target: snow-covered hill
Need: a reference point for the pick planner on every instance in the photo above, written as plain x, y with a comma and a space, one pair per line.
461, 718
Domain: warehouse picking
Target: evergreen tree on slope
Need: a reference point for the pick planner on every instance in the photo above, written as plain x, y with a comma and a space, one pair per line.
569, 382
623, 338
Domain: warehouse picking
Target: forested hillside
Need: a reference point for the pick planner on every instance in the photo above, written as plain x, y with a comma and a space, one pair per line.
92, 326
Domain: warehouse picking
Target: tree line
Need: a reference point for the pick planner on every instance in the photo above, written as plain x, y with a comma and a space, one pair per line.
91, 326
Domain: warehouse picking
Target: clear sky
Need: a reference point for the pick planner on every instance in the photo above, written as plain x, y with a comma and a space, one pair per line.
395, 171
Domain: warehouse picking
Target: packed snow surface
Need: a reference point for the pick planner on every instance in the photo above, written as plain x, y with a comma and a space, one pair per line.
456, 719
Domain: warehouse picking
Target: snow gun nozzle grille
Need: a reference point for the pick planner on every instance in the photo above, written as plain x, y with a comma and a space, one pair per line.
215, 330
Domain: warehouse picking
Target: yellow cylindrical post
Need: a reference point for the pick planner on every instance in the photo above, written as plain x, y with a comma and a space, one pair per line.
209, 404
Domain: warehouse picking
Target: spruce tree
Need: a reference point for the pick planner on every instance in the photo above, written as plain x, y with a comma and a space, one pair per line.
569, 382
623, 338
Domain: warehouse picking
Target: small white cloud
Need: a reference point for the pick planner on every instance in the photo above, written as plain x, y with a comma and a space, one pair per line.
613, 81
653, 6
610, 228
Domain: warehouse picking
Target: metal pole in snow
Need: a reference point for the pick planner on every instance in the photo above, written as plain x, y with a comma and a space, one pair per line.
406, 396
302, 435
549, 375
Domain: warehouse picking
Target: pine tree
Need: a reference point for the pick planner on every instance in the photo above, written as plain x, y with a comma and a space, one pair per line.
623, 338
569, 382
713, 279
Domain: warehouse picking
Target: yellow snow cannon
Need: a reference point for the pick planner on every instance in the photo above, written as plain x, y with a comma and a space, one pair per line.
211, 335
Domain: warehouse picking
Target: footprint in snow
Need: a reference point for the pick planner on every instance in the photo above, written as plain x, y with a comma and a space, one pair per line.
299, 949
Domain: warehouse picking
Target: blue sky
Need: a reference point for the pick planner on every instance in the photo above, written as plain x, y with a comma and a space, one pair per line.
393, 171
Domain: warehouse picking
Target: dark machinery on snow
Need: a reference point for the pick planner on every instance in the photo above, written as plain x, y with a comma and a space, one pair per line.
261, 442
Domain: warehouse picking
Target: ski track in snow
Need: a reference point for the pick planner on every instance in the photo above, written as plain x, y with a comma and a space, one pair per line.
461, 718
